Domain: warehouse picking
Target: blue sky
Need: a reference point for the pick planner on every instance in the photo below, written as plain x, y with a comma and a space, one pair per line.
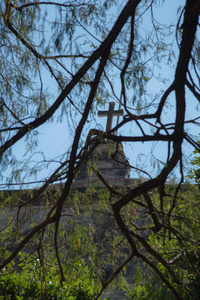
55, 138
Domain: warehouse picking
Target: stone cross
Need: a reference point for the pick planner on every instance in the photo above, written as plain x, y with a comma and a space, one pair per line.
110, 113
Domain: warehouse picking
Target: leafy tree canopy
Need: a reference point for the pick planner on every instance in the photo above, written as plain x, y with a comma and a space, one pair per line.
65, 60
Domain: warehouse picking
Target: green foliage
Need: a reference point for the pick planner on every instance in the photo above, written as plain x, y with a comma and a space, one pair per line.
34, 281
194, 173
49, 67
182, 254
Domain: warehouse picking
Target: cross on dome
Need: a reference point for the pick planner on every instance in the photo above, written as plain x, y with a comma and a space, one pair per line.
110, 113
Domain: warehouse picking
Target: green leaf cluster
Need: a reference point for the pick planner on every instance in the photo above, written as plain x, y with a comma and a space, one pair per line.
31, 282
194, 173
179, 246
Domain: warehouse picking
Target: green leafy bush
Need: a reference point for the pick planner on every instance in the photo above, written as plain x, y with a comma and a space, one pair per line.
31, 283
182, 255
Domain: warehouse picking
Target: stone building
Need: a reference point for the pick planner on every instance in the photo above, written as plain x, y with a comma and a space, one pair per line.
109, 163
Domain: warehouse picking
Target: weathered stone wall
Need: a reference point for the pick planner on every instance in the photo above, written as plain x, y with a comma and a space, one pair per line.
110, 161
28, 216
